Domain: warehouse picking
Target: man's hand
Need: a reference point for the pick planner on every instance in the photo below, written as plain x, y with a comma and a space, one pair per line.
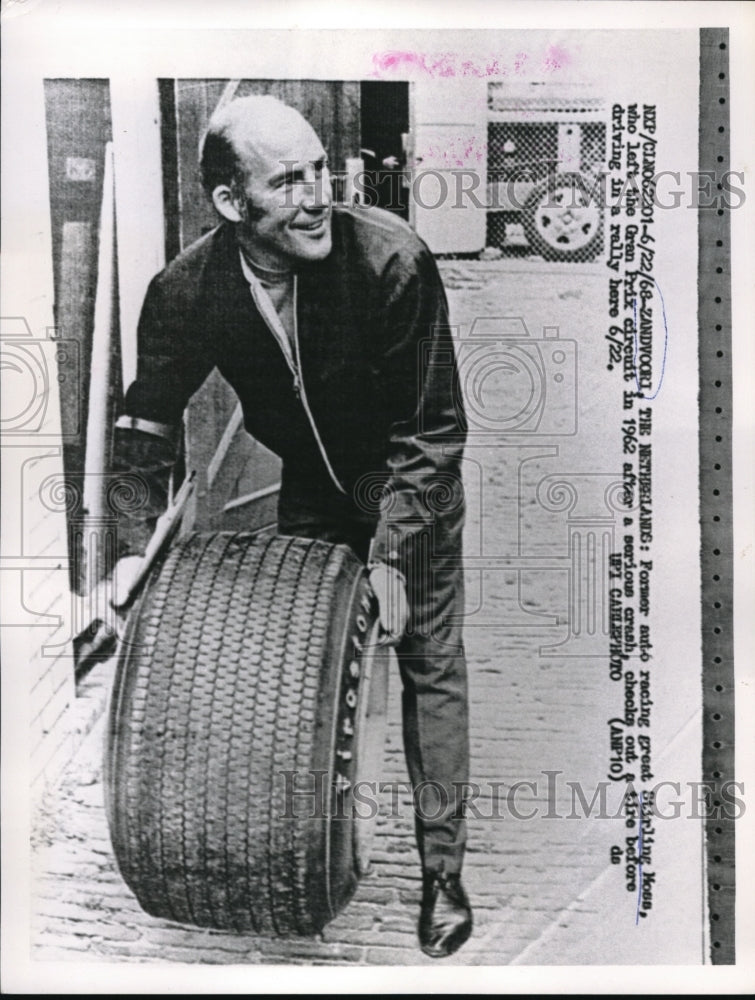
390, 590
124, 574
103, 604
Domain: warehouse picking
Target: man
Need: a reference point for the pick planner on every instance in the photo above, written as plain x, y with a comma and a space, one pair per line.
331, 324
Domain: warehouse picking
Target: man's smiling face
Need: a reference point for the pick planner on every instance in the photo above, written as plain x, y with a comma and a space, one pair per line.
286, 201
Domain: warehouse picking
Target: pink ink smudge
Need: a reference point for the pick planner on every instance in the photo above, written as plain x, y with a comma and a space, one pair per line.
398, 62
519, 60
389, 62
555, 58
443, 64
458, 153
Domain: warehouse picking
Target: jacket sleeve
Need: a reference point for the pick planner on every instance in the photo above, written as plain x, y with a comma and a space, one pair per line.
426, 439
171, 365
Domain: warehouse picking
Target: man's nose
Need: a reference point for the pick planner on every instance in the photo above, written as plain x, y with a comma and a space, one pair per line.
316, 191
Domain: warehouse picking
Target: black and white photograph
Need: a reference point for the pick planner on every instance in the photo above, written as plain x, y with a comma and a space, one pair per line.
376, 446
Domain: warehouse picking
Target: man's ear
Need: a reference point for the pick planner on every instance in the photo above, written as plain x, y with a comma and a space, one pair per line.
225, 203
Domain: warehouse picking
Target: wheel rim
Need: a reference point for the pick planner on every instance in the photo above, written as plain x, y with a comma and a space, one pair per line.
371, 731
564, 222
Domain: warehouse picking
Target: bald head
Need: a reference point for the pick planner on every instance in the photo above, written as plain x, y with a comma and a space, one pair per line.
249, 132
266, 172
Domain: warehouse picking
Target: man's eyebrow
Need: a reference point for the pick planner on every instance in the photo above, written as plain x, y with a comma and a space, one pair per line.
293, 171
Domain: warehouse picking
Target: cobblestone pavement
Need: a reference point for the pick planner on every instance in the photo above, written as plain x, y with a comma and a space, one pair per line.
530, 712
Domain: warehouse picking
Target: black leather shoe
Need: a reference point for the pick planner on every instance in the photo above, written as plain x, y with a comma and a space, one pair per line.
445, 920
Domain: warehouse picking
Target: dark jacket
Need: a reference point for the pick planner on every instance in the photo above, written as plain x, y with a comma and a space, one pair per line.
376, 363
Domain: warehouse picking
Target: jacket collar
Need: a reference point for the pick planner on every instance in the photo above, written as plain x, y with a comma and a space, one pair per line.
227, 290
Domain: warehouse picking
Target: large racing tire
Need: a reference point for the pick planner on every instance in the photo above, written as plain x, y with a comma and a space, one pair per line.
249, 698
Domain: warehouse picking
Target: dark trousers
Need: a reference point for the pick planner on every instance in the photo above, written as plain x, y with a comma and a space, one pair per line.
431, 662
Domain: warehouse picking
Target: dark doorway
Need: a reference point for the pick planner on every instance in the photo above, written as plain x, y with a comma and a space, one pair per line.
384, 118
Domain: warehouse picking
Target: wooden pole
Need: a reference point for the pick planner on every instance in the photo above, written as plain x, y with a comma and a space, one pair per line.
97, 438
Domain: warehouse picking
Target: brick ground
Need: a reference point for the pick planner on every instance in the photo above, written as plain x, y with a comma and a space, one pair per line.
527, 879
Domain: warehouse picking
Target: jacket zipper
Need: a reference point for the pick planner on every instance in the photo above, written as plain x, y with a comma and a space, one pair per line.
302, 394
273, 322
